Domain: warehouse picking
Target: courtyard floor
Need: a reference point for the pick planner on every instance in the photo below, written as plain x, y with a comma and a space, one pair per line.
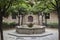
54, 35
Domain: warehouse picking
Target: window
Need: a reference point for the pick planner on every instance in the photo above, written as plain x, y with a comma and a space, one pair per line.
13, 17
47, 16
30, 19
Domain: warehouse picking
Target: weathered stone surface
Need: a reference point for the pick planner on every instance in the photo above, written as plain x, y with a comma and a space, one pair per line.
54, 36
33, 30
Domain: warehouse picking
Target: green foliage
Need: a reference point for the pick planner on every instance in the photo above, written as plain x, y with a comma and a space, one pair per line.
14, 14
22, 11
52, 25
25, 7
30, 25
6, 15
6, 6
39, 5
13, 24
5, 25
9, 25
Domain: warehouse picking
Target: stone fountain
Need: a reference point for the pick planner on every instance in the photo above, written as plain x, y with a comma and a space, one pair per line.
33, 30
36, 29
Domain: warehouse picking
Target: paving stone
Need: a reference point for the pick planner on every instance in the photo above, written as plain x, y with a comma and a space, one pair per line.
50, 37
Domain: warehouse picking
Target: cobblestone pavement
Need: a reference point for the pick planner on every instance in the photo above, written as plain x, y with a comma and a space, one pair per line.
49, 37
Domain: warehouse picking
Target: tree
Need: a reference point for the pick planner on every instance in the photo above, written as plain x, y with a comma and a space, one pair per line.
53, 5
46, 6
57, 6
4, 6
38, 8
22, 8
22, 12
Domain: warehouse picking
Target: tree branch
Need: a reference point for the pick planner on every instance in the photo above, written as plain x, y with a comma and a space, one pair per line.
0, 9
4, 7
57, 4
9, 5
53, 4
43, 9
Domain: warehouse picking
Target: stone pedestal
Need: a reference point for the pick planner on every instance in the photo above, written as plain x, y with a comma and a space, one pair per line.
28, 30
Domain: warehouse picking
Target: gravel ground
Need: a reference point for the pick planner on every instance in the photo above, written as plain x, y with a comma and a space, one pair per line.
49, 37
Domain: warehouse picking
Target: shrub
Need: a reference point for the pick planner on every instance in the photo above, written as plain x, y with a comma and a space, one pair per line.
30, 25
52, 25
9, 25
12, 25
5, 25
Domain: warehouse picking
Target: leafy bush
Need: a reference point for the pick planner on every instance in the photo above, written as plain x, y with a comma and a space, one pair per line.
5, 25
9, 25
52, 25
13, 24
30, 25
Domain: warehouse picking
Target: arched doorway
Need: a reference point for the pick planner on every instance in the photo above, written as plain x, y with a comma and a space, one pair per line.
30, 19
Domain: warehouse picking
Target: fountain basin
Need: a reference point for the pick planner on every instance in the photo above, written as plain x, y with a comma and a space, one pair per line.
28, 30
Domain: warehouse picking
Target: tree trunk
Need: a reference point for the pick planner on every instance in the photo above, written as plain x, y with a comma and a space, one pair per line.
38, 20
42, 20
19, 20
22, 20
46, 22
58, 11
59, 25
1, 26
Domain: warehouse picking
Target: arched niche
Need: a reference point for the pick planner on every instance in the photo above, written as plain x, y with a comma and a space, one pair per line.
30, 18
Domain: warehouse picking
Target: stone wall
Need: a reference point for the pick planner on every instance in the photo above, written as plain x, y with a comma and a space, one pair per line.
53, 18
9, 19
35, 19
